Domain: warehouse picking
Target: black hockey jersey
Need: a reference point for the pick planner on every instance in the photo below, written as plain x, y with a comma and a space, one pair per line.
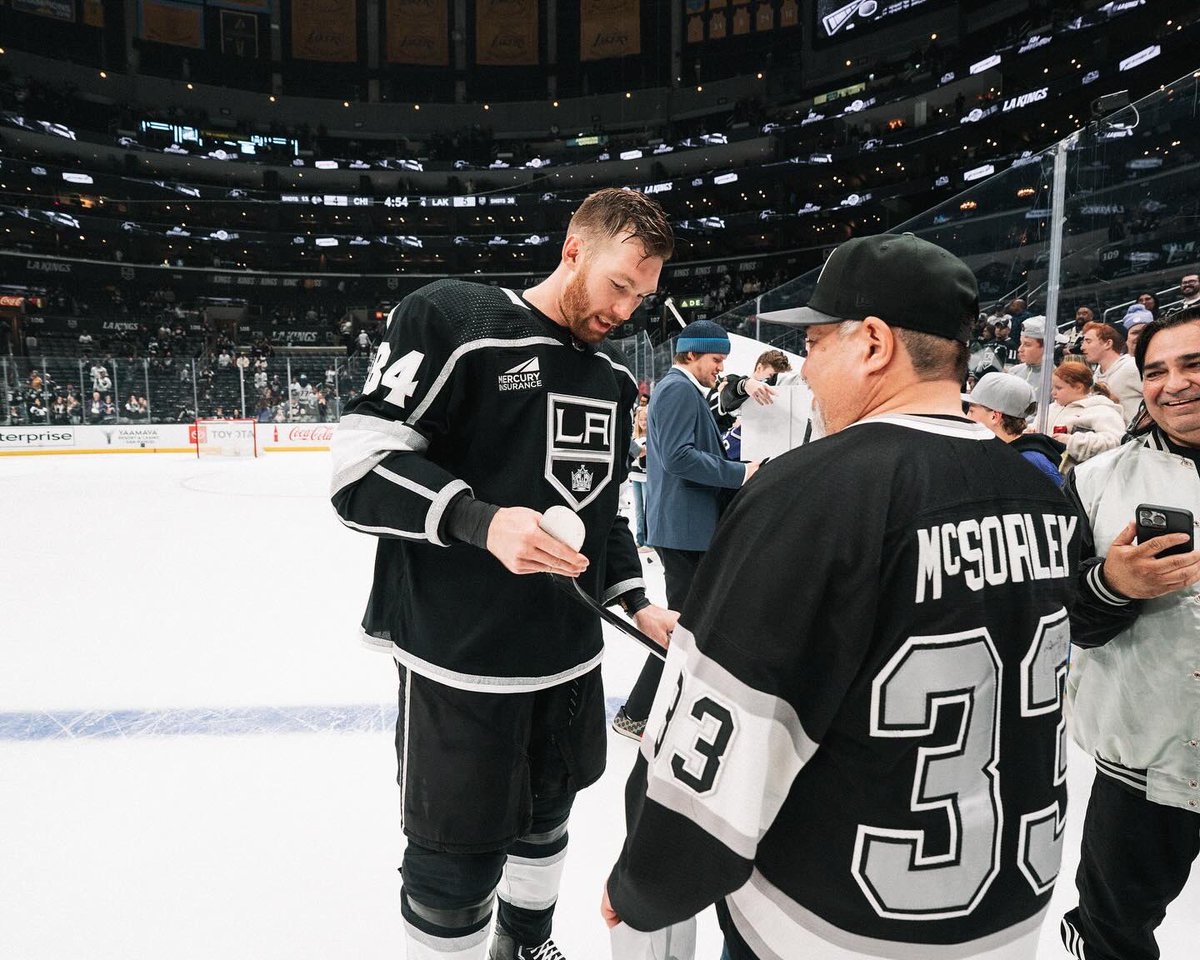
858, 741
473, 389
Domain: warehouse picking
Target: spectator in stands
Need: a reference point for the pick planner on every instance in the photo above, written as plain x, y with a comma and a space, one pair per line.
95, 409
1133, 333
1004, 338
1148, 301
1083, 316
1103, 346
131, 407
85, 342
1018, 314
35, 381
58, 411
1084, 414
1030, 352
103, 382
38, 414
108, 410
1189, 290
74, 409
1131, 691
363, 343
1002, 403
985, 356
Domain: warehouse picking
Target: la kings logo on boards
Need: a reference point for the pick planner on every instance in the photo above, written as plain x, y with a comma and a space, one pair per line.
580, 439
524, 376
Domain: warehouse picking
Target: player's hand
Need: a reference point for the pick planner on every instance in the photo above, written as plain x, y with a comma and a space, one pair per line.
751, 470
760, 392
607, 912
517, 541
657, 623
1133, 570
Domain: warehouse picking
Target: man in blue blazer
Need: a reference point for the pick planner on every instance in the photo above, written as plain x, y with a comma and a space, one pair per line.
688, 480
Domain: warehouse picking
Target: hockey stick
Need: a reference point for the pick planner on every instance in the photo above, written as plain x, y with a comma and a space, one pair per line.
572, 587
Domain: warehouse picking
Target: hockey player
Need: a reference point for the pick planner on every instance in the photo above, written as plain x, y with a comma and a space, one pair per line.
857, 746
484, 407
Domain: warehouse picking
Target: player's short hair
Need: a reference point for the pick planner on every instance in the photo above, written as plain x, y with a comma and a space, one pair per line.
775, 359
1106, 331
933, 357
612, 211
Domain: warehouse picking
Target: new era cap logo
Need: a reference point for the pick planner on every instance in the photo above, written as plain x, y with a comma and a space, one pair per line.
524, 376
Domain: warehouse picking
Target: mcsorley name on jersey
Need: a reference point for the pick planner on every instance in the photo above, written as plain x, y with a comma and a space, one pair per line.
1009, 548
580, 440
524, 376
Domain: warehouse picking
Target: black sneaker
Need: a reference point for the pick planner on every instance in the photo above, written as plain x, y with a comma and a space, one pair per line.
626, 726
505, 948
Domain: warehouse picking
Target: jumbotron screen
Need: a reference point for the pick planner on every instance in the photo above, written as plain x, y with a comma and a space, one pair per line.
838, 20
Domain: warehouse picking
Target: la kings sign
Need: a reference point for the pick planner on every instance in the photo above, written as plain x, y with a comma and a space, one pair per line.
580, 436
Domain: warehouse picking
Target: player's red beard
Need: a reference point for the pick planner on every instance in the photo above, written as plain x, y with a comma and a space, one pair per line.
577, 310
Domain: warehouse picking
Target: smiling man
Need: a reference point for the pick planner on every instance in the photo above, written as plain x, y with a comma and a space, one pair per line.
485, 407
1132, 686
855, 748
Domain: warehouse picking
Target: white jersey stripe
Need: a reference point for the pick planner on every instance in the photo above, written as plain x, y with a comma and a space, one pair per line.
776, 928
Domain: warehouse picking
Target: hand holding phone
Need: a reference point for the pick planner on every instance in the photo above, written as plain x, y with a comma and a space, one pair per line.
1155, 521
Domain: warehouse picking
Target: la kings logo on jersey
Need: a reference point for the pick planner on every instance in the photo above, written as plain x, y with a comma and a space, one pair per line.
580, 439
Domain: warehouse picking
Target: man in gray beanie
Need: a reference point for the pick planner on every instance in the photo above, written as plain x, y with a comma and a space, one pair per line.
688, 479
1030, 351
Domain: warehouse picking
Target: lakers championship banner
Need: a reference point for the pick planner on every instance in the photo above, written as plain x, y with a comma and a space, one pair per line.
55, 9
239, 34
741, 21
93, 13
252, 6
166, 21
764, 17
789, 13
418, 32
609, 28
325, 30
506, 33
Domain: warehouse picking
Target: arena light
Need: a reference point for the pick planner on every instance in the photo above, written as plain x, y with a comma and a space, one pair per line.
723, 178
968, 205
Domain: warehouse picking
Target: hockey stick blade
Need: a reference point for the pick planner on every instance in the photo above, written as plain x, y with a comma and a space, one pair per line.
572, 587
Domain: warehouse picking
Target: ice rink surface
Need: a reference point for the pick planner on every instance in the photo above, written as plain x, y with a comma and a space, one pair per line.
196, 755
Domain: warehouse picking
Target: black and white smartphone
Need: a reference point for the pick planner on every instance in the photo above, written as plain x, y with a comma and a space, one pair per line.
1155, 521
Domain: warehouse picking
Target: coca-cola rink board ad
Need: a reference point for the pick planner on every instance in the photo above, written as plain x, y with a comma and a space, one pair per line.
152, 438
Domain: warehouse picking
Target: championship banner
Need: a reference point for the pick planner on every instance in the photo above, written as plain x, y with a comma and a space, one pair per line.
609, 28
506, 33
179, 24
764, 17
93, 13
741, 21
325, 30
718, 26
418, 32
239, 34
54, 9
252, 6
789, 13
695, 30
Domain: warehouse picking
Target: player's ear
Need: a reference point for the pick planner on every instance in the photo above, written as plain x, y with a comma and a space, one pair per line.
572, 251
879, 342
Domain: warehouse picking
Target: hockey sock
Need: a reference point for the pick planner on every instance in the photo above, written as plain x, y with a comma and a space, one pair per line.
434, 933
529, 884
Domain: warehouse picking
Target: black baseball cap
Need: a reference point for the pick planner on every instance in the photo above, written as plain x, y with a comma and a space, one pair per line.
905, 281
